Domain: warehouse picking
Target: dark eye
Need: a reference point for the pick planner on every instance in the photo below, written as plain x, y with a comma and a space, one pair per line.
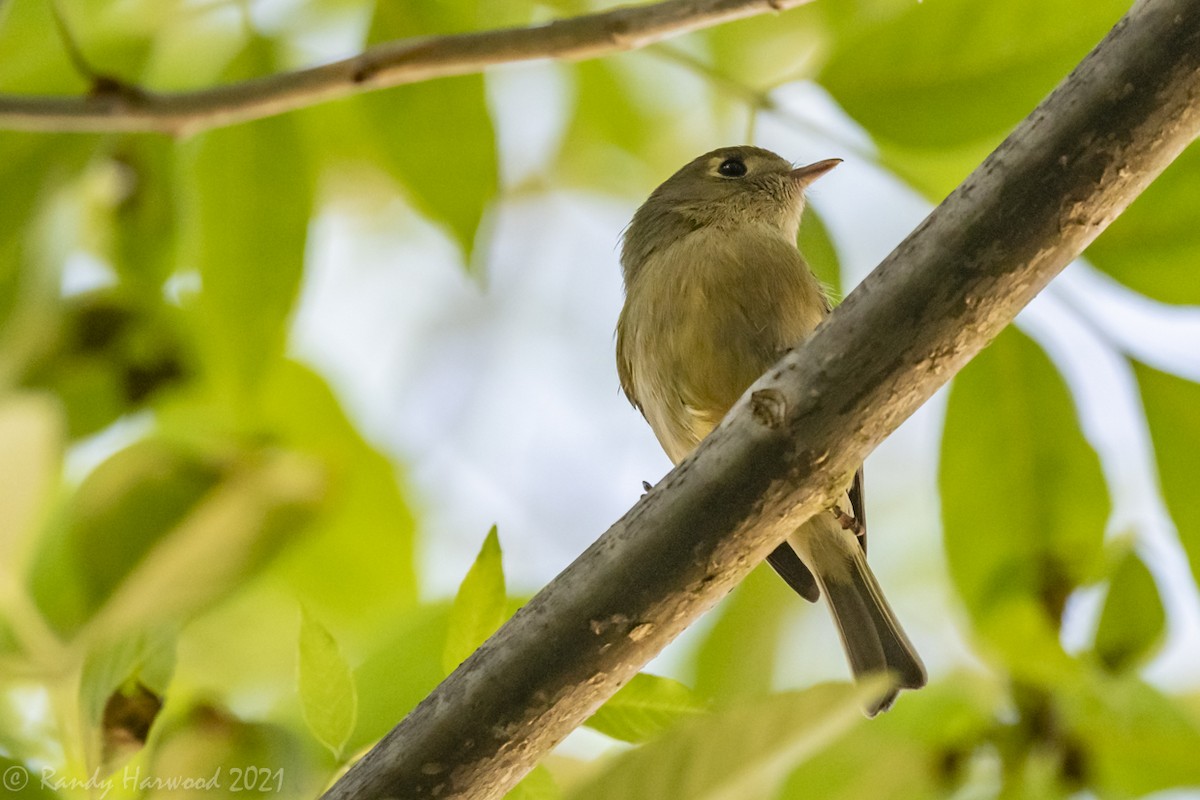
732, 168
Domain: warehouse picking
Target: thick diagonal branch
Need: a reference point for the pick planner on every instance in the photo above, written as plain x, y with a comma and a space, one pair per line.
121, 107
945, 292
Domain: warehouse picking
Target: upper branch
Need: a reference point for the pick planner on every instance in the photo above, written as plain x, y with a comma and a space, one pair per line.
1066, 172
129, 108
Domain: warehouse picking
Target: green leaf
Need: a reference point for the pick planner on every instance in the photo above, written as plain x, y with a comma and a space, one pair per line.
364, 535
1154, 245
146, 656
402, 670
737, 658
31, 437
631, 127
1171, 404
113, 354
33, 168
644, 708
955, 71
263, 502
920, 749
1136, 740
949, 73
35, 60
118, 514
767, 50
121, 693
736, 754
145, 219
249, 204
326, 686
480, 606
537, 785
450, 179
820, 253
1133, 621
1023, 502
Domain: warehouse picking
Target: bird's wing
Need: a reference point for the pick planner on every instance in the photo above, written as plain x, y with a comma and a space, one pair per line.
787, 564
858, 506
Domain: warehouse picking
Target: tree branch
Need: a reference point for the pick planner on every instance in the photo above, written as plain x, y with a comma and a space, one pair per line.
1066, 172
132, 109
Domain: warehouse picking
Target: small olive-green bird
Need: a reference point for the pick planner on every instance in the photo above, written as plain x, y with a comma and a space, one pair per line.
715, 293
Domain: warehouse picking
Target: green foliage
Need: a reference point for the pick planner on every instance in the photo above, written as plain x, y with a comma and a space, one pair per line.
941, 77
1023, 503
1154, 246
644, 708
537, 785
1171, 404
740, 753
737, 658
174, 483
326, 686
820, 253
1133, 621
479, 607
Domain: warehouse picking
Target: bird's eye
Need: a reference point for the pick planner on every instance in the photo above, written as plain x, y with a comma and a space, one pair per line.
732, 168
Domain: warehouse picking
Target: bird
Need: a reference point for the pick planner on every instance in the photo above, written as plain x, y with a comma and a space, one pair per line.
717, 291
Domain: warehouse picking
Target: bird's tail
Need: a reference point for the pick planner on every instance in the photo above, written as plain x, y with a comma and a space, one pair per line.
875, 643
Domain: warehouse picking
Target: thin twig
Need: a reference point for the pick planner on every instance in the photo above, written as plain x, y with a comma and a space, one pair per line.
405, 61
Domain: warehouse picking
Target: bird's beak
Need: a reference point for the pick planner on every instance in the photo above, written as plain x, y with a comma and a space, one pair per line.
807, 174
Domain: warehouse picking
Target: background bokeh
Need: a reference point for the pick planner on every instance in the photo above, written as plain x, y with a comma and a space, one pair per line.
266, 390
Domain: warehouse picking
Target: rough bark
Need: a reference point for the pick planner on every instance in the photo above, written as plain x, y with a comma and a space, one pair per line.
1067, 171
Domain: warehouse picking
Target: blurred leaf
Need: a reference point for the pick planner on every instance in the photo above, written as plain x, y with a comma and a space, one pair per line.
737, 657
767, 50
919, 750
260, 505
145, 657
954, 72
741, 753
31, 439
450, 178
1154, 246
35, 60
112, 355
820, 253
364, 536
1136, 741
327, 690
1023, 501
636, 119
120, 512
644, 708
537, 785
249, 206
479, 607
121, 692
145, 217
400, 672
1133, 621
1171, 404
33, 167
228, 758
